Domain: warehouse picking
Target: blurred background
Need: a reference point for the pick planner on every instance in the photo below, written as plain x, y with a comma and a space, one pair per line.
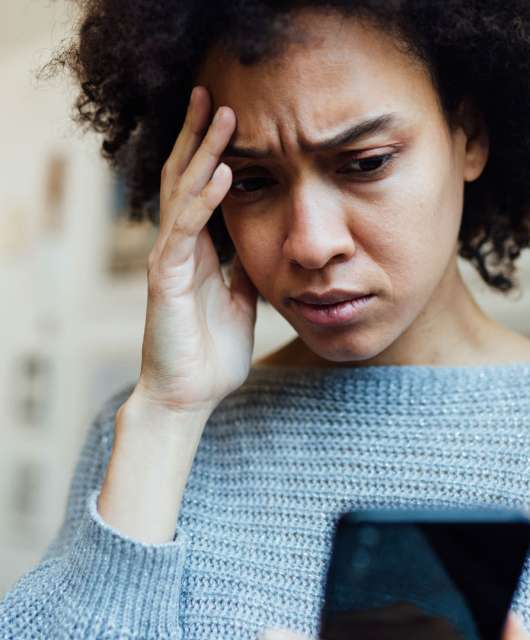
73, 284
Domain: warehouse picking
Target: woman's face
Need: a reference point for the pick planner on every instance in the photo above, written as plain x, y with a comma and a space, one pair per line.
311, 209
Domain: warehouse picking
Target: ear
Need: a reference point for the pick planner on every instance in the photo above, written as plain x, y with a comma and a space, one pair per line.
472, 122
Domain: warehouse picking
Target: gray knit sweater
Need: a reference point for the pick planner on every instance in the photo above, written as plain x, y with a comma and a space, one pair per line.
279, 460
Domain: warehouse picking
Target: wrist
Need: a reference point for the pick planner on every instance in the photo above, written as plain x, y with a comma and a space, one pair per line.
140, 413
147, 395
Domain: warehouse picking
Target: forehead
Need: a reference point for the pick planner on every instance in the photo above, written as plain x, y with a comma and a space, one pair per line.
344, 69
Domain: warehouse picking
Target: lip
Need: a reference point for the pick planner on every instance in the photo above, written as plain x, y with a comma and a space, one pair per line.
333, 315
333, 296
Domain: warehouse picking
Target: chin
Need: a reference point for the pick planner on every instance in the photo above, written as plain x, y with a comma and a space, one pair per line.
344, 349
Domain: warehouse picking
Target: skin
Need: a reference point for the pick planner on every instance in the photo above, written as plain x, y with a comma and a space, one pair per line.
314, 226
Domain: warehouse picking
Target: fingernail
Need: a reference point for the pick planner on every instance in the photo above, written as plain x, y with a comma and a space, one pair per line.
217, 115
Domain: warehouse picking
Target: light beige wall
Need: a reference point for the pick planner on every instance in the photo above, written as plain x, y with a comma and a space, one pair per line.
26, 22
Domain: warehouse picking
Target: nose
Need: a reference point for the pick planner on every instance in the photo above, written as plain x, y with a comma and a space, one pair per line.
317, 232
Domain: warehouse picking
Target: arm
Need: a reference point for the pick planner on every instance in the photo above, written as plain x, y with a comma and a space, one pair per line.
151, 460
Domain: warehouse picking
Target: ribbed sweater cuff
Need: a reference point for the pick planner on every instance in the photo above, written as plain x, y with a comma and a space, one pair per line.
133, 588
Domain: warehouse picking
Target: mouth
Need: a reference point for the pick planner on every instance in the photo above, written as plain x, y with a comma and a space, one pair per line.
332, 308
333, 296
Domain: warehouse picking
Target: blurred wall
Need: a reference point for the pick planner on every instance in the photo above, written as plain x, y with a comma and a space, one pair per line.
72, 277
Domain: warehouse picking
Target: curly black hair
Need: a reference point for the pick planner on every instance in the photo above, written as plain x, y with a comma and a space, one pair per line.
136, 61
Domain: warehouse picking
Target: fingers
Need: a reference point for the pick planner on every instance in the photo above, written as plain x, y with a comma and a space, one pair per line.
189, 138
196, 153
193, 216
193, 181
514, 628
207, 156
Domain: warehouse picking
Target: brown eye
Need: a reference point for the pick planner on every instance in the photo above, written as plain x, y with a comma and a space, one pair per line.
250, 184
372, 164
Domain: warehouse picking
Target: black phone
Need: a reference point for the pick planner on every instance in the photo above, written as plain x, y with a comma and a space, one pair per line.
423, 574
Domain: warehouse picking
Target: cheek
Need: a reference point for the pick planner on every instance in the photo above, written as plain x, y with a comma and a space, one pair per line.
414, 232
437, 210
256, 244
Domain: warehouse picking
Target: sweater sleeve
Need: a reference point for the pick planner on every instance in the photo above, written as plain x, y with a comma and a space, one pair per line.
93, 582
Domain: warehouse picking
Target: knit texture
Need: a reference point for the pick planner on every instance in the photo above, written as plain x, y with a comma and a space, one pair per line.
280, 459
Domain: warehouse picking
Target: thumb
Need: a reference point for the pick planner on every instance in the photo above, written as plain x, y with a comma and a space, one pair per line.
242, 288
514, 628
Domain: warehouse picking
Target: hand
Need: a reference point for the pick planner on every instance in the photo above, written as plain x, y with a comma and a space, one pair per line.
514, 628
199, 332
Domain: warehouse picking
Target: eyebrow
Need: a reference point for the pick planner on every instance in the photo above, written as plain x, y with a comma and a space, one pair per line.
378, 124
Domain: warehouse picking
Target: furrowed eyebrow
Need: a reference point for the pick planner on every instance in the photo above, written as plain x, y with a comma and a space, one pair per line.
379, 124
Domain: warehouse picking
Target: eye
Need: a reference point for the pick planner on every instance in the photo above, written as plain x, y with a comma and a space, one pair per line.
369, 165
249, 186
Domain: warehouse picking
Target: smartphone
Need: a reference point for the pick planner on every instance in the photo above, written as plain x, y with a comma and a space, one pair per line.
442, 574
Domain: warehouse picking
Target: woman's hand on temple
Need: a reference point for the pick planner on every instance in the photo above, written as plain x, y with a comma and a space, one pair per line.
199, 332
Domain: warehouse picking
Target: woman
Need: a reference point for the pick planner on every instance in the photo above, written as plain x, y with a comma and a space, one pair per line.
357, 148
